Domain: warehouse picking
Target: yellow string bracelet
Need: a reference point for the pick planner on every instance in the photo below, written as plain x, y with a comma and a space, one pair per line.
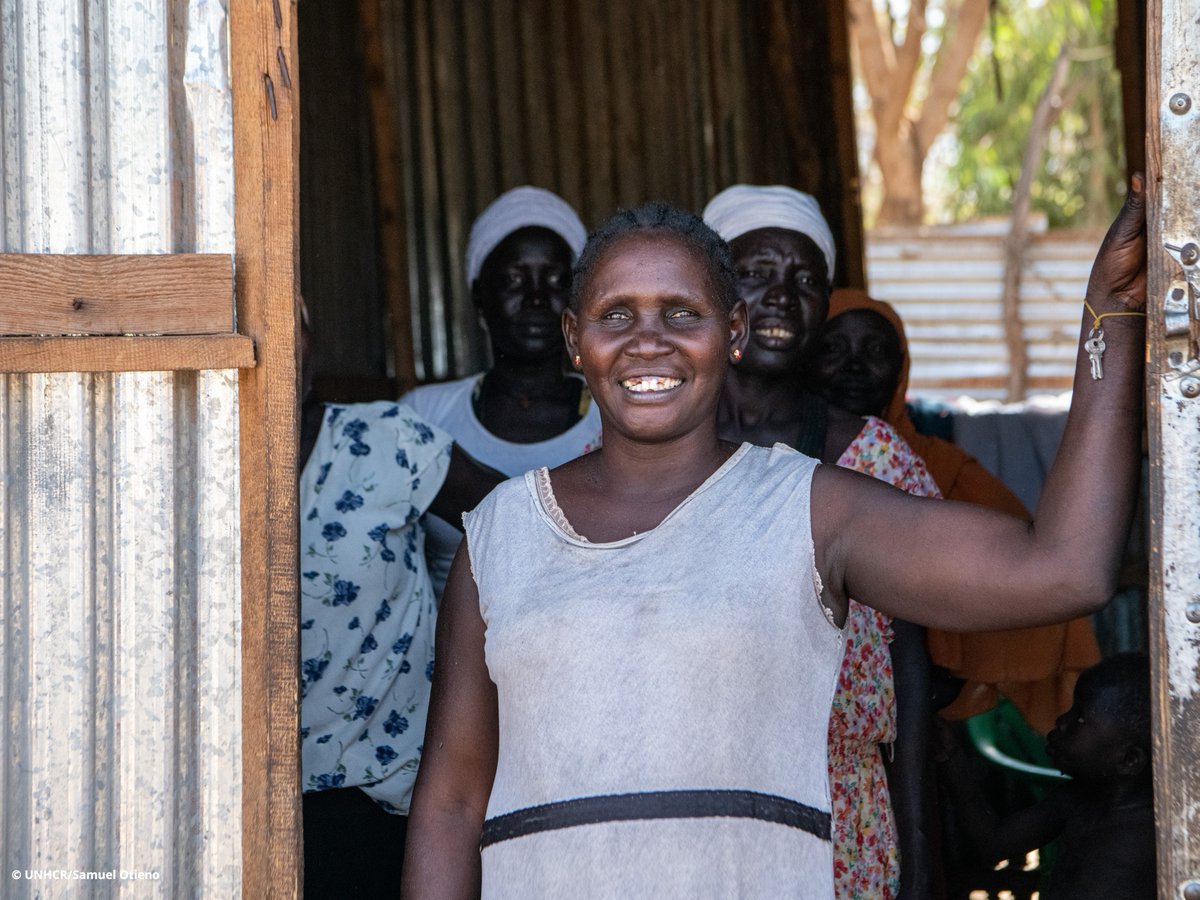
1096, 317
1094, 345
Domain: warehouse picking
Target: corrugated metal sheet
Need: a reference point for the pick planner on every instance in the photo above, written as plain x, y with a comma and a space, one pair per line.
946, 283
119, 578
609, 104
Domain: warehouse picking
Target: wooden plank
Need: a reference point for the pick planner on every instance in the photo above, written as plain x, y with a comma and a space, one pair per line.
126, 354
389, 197
266, 150
177, 293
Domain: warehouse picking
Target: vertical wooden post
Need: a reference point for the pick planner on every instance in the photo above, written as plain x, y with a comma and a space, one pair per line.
266, 157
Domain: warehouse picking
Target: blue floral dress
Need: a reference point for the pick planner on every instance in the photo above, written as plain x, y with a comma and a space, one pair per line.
366, 606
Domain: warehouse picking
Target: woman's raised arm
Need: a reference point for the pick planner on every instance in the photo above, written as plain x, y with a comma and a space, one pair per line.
960, 567
458, 762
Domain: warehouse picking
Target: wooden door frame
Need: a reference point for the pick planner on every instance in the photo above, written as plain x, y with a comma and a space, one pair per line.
266, 122
266, 158
1173, 217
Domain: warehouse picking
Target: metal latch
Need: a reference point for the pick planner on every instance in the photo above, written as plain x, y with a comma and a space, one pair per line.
1181, 307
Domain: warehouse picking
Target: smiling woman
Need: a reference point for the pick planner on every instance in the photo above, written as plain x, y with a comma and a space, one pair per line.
656, 325
783, 256
596, 725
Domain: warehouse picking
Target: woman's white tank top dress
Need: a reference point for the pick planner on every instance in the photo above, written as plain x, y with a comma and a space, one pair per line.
663, 699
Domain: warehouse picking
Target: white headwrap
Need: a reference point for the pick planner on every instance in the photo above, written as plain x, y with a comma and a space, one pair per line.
522, 207
746, 207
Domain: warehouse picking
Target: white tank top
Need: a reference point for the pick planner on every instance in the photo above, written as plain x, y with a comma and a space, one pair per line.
663, 699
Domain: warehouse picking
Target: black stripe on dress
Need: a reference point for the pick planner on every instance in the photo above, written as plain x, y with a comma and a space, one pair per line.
699, 804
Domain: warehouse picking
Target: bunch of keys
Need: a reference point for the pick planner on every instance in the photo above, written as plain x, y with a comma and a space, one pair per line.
1094, 345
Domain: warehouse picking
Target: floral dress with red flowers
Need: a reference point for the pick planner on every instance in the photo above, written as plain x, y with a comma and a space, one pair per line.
866, 853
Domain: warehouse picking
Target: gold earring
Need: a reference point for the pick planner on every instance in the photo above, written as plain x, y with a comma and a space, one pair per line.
737, 354
578, 361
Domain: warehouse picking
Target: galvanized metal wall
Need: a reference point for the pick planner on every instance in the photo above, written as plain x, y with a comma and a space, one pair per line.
119, 575
946, 283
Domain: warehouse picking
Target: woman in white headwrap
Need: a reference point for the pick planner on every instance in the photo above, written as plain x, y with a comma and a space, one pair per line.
783, 257
527, 410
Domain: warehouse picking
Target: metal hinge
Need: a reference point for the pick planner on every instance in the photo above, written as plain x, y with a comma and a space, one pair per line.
1181, 307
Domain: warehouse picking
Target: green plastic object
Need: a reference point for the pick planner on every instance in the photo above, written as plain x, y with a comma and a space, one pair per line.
1003, 738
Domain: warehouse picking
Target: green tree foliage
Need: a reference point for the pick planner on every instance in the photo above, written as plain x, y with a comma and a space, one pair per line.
1082, 181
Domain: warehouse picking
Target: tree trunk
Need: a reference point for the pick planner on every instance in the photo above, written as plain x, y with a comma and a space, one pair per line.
900, 165
1048, 107
903, 134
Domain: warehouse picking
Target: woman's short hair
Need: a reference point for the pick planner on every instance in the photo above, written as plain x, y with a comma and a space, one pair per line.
658, 218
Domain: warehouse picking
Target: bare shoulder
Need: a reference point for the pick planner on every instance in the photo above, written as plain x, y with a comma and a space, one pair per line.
574, 481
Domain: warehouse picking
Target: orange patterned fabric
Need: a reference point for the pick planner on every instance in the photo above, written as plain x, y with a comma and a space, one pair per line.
1036, 668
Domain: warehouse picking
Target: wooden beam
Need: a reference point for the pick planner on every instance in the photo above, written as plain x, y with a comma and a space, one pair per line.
266, 159
126, 354
178, 293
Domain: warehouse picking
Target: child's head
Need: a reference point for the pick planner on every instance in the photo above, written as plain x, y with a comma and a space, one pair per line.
1105, 735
